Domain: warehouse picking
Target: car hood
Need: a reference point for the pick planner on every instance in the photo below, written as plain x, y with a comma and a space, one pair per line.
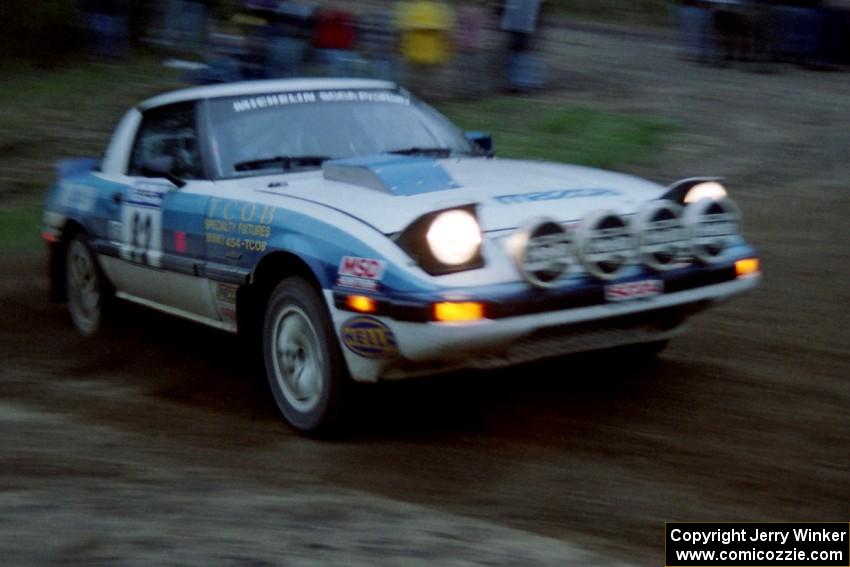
506, 193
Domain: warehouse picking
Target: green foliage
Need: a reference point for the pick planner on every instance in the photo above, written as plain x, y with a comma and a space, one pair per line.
19, 228
528, 129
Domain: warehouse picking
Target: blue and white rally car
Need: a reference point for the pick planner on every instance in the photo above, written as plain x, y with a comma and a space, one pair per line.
358, 235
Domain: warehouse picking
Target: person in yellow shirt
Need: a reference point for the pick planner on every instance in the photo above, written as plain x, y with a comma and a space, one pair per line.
425, 28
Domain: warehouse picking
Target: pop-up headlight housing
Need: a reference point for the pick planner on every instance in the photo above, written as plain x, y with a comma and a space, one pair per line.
444, 241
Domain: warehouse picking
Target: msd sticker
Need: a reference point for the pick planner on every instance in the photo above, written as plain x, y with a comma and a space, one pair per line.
369, 338
360, 273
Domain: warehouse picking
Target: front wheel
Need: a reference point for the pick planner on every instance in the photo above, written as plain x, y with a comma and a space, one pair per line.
88, 290
304, 365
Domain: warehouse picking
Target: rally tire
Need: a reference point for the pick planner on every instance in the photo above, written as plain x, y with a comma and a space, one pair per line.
305, 368
89, 292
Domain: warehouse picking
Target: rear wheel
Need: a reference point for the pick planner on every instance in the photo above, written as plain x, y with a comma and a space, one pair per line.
88, 290
304, 365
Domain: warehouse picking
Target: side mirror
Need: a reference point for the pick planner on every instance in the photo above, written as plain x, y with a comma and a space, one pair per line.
483, 140
162, 166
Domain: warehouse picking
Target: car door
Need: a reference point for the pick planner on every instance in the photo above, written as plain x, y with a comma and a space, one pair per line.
162, 239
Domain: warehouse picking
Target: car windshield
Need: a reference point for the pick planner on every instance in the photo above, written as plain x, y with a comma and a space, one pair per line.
284, 131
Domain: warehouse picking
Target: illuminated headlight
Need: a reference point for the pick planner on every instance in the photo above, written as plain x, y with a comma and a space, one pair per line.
444, 242
706, 190
454, 237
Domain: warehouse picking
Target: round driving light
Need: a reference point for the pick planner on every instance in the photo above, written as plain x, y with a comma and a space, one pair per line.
713, 224
454, 237
542, 252
705, 190
662, 239
606, 244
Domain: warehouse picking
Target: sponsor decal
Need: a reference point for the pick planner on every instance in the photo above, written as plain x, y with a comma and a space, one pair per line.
239, 225
226, 293
147, 194
360, 273
225, 296
369, 338
78, 197
141, 222
633, 290
285, 99
555, 195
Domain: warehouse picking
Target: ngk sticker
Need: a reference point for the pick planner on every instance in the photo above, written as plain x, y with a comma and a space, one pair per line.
633, 290
361, 273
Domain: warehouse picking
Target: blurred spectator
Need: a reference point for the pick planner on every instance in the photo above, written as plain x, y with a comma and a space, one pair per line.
378, 43
474, 23
287, 39
425, 35
185, 22
733, 30
334, 40
425, 27
107, 24
696, 29
763, 32
519, 20
799, 28
835, 46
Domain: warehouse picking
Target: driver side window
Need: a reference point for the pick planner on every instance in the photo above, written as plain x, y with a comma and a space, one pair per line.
167, 136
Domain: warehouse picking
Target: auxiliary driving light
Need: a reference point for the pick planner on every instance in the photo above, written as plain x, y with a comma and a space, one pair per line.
705, 190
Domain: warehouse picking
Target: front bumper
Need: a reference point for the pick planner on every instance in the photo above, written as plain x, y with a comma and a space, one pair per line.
423, 347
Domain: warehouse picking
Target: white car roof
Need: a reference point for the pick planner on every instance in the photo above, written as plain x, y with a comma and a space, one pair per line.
261, 87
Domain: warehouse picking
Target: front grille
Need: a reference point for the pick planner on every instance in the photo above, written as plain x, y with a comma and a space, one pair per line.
567, 339
596, 295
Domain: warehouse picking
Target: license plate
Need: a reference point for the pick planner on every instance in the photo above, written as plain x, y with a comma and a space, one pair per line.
633, 290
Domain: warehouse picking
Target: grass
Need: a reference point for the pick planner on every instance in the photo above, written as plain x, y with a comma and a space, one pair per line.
19, 228
527, 129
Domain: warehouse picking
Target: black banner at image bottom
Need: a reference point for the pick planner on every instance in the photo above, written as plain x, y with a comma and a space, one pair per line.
750, 544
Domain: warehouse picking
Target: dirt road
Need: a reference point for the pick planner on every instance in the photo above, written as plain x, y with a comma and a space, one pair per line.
158, 444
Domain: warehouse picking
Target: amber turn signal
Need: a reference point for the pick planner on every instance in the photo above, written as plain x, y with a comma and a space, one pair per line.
361, 304
747, 267
451, 312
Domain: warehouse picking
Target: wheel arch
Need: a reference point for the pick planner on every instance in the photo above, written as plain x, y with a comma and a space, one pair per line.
270, 270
